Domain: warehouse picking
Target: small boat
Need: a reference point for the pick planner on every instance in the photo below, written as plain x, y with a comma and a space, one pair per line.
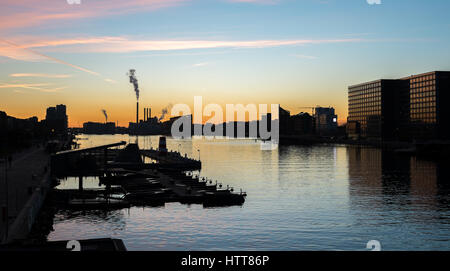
223, 198
155, 197
121, 178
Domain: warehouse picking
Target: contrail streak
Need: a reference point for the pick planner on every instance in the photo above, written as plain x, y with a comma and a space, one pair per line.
51, 58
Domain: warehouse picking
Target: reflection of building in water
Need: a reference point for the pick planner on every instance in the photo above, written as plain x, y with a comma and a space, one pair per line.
364, 170
396, 174
397, 179
423, 177
429, 183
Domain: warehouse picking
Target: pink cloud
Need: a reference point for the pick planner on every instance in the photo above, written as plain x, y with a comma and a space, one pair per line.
44, 75
40, 87
126, 45
24, 13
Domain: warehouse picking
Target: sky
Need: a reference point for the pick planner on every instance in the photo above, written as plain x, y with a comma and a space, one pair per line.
296, 53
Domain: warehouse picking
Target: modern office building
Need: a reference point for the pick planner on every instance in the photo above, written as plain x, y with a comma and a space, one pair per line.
409, 108
429, 105
376, 108
326, 120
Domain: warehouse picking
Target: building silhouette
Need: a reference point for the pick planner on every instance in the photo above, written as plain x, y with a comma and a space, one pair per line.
325, 121
285, 125
302, 124
375, 108
56, 119
429, 105
405, 109
98, 128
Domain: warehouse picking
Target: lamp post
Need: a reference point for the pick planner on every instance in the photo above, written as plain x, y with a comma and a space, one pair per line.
198, 154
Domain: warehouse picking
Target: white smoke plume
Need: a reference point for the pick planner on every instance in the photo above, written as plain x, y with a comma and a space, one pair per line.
134, 81
164, 112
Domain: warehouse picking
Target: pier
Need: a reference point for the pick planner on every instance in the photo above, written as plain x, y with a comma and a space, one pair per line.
128, 181
125, 180
172, 160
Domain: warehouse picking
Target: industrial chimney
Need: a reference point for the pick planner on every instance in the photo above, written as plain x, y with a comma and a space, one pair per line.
137, 112
134, 81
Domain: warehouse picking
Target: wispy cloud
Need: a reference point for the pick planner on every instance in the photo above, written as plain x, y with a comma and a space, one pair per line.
24, 13
110, 80
44, 75
40, 87
30, 86
202, 64
305, 56
126, 45
20, 52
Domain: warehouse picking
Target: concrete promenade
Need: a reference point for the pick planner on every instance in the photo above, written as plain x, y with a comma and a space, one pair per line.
18, 182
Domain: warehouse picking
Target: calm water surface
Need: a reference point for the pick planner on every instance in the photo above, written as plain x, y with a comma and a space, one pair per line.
299, 198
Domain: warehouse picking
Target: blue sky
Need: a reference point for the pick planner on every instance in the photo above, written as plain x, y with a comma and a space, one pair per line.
296, 53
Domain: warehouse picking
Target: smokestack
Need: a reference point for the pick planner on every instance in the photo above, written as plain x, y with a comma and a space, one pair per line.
149, 111
145, 114
134, 81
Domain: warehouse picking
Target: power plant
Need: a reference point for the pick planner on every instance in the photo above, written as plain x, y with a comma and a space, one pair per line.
149, 125
134, 81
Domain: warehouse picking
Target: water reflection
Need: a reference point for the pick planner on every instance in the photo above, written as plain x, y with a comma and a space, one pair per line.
402, 199
299, 198
408, 180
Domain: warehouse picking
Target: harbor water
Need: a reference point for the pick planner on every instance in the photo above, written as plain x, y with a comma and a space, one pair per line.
327, 197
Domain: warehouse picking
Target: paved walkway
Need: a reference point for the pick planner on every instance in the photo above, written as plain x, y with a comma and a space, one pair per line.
27, 170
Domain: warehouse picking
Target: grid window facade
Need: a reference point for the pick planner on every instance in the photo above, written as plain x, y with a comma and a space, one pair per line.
410, 108
365, 104
423, 105
423, 99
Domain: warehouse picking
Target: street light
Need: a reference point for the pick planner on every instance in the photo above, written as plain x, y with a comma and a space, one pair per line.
198, 154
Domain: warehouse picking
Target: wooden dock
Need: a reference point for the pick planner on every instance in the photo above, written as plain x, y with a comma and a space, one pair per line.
150, 183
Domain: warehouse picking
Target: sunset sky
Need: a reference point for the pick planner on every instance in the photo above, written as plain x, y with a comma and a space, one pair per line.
298, 53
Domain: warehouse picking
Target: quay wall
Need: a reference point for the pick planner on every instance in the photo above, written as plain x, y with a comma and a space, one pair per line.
24, 221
